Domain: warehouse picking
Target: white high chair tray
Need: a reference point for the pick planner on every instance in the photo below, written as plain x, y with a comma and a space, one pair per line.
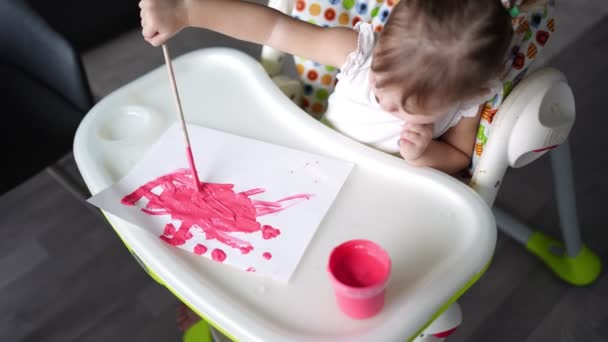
438, 232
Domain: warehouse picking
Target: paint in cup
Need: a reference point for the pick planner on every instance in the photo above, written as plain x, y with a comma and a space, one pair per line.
359, 270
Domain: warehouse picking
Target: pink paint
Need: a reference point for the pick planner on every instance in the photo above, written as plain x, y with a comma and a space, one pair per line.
216, 209
169, 229
179, 236
445, 333
359, 270
266, 208
267, 255
218, 255
250, 269
268, 232
200, 249
545, 149
197, 182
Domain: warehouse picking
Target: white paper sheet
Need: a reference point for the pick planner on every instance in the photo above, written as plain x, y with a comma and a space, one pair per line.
295, 191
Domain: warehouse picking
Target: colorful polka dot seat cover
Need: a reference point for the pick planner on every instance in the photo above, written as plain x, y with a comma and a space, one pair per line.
532, 30
319, 80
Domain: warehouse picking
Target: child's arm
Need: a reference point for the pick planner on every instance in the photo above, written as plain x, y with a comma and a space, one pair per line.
161, 19
453, 151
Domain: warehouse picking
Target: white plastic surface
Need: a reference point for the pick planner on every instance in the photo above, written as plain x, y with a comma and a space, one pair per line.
439, 232
537, 115
450, 319
545, 121
292, 88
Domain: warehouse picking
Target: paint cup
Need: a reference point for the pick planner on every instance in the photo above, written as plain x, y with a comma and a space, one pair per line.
359, 270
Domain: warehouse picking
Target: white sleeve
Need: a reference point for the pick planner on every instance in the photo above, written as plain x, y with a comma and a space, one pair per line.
365, 47
470, 108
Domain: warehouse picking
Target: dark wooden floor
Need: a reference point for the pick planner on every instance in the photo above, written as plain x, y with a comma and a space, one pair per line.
67, 277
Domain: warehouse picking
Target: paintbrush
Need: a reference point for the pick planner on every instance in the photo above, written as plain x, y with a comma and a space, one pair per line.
181, 119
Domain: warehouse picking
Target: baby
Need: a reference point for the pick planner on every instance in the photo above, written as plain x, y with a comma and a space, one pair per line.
416, 89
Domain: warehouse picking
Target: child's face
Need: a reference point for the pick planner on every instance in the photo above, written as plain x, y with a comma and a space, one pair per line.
389, 99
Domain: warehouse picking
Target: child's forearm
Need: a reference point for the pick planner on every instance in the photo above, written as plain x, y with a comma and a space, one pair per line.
443, 157
237, 19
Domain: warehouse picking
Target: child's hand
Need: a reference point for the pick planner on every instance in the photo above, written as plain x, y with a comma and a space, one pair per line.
161, 19
414, 140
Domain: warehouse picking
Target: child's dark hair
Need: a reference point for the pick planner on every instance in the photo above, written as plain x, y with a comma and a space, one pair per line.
442, 48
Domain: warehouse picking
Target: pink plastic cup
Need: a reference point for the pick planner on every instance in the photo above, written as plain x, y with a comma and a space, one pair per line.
359, 270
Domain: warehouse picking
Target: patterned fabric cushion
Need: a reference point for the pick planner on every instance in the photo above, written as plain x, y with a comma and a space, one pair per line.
532, 30
319, 80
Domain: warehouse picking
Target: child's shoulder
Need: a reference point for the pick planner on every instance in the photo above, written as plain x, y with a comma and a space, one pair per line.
361, 58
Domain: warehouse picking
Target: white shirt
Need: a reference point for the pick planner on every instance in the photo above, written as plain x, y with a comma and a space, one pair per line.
354, 111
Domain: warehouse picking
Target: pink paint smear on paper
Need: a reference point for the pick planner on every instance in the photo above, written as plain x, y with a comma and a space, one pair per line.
216, 209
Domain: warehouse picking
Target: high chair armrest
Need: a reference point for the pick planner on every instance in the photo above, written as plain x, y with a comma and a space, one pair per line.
271, 58
292, 88
436, 257
536, 117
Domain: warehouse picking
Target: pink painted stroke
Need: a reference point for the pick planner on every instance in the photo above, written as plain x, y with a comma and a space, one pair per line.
216, 209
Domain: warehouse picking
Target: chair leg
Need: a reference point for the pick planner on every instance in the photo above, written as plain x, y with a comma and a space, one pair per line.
570, 260
561, 164
512, 226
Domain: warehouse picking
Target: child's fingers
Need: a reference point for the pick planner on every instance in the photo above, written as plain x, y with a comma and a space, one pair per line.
158, 39
148, 31
415, 128
404, 143
408, 150
418, 128
411, 132
411, 137
407, 138
424, 130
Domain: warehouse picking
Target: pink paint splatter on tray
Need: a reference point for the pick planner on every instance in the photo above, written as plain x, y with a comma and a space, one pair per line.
216, 209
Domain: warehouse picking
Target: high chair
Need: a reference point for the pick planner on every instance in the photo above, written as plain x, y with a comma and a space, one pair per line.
535, 118
440, 233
